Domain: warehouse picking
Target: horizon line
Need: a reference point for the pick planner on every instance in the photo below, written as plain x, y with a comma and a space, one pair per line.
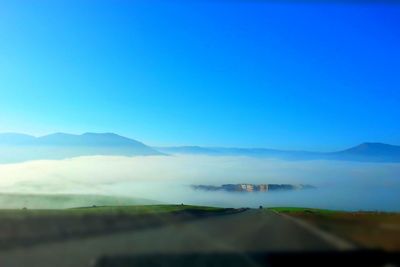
196, 146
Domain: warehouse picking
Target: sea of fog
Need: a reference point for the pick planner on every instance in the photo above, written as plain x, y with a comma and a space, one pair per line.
340, 185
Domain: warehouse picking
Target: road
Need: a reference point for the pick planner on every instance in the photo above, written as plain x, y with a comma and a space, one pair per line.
252, 230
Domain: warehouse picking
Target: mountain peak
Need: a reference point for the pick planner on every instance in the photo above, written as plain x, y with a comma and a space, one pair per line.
369, 144
89, 139
63, 145
374, 150
373, 145
101, 134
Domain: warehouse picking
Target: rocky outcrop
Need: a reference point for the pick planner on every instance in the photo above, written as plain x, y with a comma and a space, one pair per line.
251, 187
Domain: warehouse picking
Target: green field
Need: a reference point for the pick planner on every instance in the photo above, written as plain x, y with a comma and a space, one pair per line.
63, 201
302, 210
31, 226
102, 211
379, 230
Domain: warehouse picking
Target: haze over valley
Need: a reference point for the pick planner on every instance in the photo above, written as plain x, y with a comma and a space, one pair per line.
114, 166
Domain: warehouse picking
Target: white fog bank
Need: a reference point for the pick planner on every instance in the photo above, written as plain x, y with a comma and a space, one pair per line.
340, 184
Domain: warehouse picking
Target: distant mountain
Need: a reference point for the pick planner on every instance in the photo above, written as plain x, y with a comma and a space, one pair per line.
15, 138
64, 201
250, 152
16, 147
190, 150
19, 147
368, 152
92, 140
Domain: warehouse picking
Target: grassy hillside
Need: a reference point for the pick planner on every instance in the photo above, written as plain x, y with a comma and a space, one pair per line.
102, 211
62, 201
26, 227
302, 210
367, 229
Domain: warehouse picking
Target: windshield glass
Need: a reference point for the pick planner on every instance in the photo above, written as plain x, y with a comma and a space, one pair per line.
225, 133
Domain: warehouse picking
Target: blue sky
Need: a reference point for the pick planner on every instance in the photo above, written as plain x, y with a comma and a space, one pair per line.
229, 73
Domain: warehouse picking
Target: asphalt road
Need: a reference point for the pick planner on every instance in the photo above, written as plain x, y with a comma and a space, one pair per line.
252, 230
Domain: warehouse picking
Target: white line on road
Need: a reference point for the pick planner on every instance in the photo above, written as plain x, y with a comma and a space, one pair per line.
331, 239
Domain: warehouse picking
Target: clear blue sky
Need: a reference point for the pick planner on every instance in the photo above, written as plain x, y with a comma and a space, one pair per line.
229, 73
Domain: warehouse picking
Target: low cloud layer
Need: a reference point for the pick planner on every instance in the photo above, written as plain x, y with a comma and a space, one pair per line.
166, 178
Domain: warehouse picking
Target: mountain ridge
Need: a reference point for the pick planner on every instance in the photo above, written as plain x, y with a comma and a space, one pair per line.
16, 147
367, 151
19, 147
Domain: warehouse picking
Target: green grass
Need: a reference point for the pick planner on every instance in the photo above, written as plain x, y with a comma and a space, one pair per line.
142, 209
63, 201
370, 229
302, 210
102, 211
29, 226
